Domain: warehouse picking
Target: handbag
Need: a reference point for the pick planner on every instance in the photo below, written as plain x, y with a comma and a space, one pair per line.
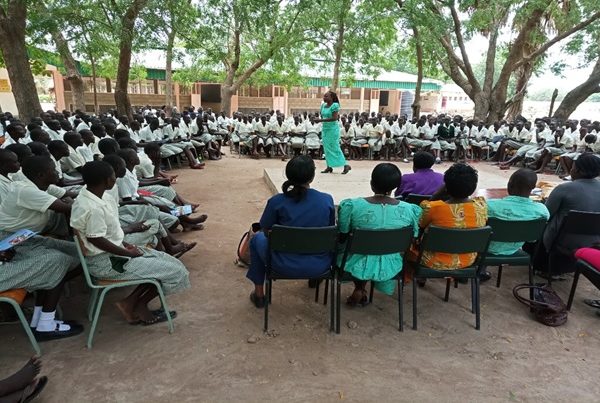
547, 306
243, 249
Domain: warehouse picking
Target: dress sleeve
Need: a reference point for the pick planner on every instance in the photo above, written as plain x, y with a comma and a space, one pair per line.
335, 107
417, 213
269, 216
426, 216
345, 216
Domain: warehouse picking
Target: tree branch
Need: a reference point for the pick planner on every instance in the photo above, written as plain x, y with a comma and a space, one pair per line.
468, 69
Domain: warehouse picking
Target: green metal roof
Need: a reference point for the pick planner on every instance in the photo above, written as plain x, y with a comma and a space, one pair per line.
156, 74
381, 85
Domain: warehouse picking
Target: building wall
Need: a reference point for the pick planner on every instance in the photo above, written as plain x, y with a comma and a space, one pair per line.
430, 102
7, 99
106, 100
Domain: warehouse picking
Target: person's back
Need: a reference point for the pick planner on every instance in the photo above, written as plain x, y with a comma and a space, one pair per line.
424, 180
516, 207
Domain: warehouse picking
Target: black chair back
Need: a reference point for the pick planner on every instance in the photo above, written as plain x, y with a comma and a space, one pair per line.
303, 240
581, 223
414, 198
516, 231
378, 242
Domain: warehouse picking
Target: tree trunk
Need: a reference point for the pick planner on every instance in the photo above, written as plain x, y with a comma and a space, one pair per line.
338, 48
169, 73
552, 101
14, 52
226, 95
579, 94
73, 75
416, 105
125, 50
94, 76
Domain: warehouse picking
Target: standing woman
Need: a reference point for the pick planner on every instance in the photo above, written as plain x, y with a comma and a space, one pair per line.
331, 133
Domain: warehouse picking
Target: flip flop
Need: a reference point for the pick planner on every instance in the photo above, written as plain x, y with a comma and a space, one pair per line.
193, 227
160, 318
41, 384
594, 303
188, 247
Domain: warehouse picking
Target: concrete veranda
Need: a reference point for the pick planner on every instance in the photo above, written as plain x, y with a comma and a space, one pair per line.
210, 357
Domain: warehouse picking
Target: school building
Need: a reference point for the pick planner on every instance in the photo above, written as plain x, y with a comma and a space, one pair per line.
390, 92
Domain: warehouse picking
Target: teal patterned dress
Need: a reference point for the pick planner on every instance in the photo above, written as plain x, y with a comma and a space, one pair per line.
359, 213
331, 137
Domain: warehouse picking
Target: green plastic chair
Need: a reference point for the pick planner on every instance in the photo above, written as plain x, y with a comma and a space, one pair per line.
374, 242
514, 231
17, 307
455, 241
101, 288
308, 241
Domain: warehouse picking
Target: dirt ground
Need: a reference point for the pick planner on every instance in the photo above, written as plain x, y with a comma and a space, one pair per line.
219, 353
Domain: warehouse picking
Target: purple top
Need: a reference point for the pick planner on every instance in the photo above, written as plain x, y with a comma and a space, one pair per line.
422, 182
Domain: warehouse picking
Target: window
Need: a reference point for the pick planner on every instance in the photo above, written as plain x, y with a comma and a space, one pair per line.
345, 93
100, 84
162, 88
266, 92
313, 92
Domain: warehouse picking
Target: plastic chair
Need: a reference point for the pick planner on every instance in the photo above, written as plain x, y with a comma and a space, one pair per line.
15, 298
414, 198
101, 287
308, 241
455, 241
589, 272
374, 242
514, 231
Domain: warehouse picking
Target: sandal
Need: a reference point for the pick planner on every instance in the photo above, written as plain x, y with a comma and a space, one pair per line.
161, 317
193, 227
594, 303
40, 384
186, 248
364, 300
257, 301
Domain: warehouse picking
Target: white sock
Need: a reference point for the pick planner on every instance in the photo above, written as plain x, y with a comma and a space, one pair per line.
48, 324
37, 310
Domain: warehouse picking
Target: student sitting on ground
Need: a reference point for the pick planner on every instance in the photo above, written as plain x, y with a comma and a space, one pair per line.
298, 206
59, 150
424, 180
39, 264
96, 220
71, 164
517, 206
380, 211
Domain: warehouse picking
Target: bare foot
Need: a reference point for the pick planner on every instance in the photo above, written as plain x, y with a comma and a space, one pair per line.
128, 312
183, 248
192, 227
23, 377
198, 220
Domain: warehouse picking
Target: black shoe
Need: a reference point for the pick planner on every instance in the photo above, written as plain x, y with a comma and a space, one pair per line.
258, 302
421, 282
484, 276
347, 169
56, 334
327, 170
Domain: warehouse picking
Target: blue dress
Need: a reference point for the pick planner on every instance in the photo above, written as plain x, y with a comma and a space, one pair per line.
316, 209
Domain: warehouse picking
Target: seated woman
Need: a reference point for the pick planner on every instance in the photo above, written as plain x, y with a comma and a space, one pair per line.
380, 211
96, 219
298, 206
451, 207
581, 194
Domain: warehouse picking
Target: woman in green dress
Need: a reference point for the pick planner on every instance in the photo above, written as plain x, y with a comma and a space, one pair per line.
380, 211
331, 133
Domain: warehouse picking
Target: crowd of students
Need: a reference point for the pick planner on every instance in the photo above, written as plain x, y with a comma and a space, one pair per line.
99, 181
379, 136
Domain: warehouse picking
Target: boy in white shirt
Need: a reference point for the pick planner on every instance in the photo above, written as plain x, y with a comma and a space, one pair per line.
563, 143
72, 163
86, 150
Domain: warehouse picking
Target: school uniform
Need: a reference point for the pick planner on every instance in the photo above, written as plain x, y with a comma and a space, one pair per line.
375, 136
312, 139
82, 126
297, 133
70, 163
52, 190
279, 132
360, 137
536, 152
478, 137
8, 141
95, 217
128, 187
86, 152
25, 206
55, 134
262, 132
564, 145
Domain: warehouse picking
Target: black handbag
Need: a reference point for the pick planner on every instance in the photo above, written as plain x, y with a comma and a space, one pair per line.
546, 305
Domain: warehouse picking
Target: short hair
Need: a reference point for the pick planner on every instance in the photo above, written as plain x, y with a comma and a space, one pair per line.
588, 166
522, 179
126, 153
37, 134
108, 145
385, 177
96, 172
460, 180
38, 148
152, 147
121, 133
56, 145
70, 136
34, 166
4, 154
13, 127
114, 160
127, 142
22, 150
423, 160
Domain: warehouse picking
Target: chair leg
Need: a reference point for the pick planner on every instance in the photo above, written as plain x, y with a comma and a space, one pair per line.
317, 287
499, 276
27, 328
96, 316
414, 284
267, 303
472, 296
573, 287
92, 303
325, 292
332, 307
447, 295
371, 292
338, 293
163, 302
477, 305
400, 304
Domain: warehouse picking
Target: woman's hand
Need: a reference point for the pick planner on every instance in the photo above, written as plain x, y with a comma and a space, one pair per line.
135, 227
133, 251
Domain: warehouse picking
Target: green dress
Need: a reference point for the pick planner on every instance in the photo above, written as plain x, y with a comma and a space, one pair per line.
359, 213
331, 137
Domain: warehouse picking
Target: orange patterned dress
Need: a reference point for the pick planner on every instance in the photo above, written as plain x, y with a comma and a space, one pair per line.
463, 215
